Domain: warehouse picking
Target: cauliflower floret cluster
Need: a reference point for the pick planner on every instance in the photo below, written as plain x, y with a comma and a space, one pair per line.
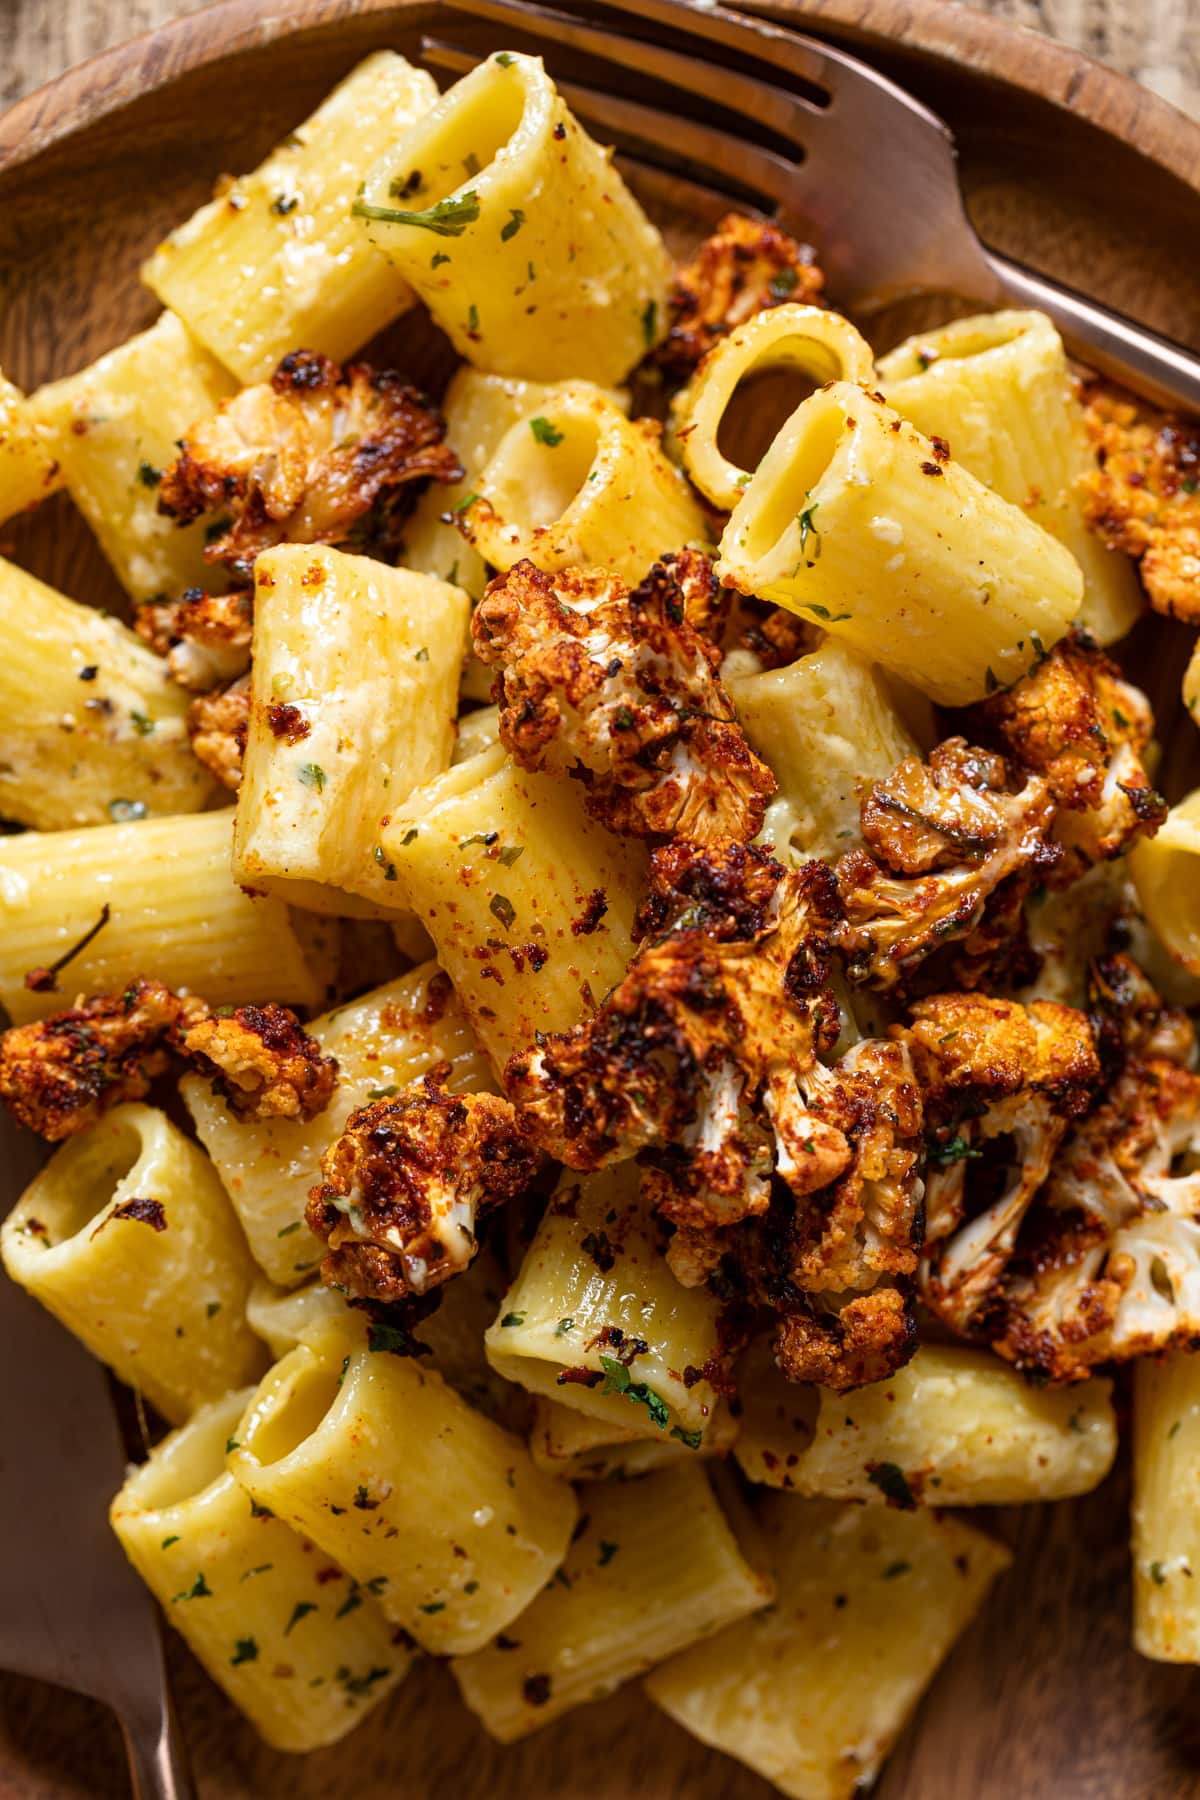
619, 690
1144, 497
305, 457
405, 1184
60, 1074
1076, 722
945, 839
204, 637
1001, 1084
217, 726
745, 267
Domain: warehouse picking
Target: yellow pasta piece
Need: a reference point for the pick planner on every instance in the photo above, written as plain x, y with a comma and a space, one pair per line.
813, 1693
579, 1447
579, 485
1191, 685
435, 1508
827, 728
297, 1645
596, 1320
954, 1427
1166, 874
167, 905
1166, 1516
90, 723
478, 731
114, 427
276, 262
126, 1236
356, 671
815, 341
998, 388
857, 521
28, 472
388, 1038
529, 902
654, 1567
518, 233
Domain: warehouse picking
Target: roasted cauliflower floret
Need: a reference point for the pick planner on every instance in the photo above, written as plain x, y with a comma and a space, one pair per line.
59, 1075
990, 1070
1144, 497
1077, 723
263, 1061
744, 268
204, 637
617, 689
217, 726
305, 457
1131, 1018
405, 1183
865, 1339
941, 836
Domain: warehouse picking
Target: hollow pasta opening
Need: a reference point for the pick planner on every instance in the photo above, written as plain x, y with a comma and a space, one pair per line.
193, 1458
540, 469
763, 401
295, 1410
485, 117
77, 1186
814, 436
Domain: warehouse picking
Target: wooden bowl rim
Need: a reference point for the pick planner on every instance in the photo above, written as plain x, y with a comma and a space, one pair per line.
1013, 55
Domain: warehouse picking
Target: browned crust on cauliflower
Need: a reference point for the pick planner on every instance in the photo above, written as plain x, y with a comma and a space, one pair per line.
405, 1183
744, 268
1144, 496
619, 691
305, 457
217, 727
865, 1340
1076, 722
59, 1074
204, 637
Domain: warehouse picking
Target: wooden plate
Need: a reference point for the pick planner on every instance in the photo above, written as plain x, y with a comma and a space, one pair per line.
1066, 165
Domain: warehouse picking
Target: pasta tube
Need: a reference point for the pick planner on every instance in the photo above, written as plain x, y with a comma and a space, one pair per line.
439, 1511
654, 1567
88, 716
855, 519
954, 1427
391, 1036
356, 685
529, 902
813, 1693
276, 261
827, 728
518, 233
580, 485
1166, 874
114, 429
28, 472
298, 1646
579, 1447
811, 339
998, 388
596, 1320
1166, 1522
477, 732
1191, 685
127, 1238
166, 905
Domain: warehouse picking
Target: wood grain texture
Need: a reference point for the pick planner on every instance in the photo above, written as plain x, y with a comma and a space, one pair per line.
1044, 1697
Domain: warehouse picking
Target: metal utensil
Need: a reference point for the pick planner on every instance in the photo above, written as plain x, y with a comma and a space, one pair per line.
823, 142
72, 1611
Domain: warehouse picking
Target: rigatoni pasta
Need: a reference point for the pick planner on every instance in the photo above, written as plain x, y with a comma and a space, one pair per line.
276, 261
28, 472
518, 233
1166, 874
127, 1238
298, 1645
1166, 1522
580, 1447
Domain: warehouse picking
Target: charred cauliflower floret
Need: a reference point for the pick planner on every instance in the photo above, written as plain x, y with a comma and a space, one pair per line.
941, 837
204, 637
262, 1060
217, 726
744, 268
59, 1075
1077, 723
865, 1339
305, 457
1131, 1018
617, 689
405, 1183
993, 1074
1144, 496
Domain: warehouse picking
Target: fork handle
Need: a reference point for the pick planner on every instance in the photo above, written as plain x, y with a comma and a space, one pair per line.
158, 1767
1151, 365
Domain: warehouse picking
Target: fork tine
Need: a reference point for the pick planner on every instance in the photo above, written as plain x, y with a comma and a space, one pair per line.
715, 156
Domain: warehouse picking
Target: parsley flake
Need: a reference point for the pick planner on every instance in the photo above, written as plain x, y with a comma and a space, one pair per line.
448, 218
545, 432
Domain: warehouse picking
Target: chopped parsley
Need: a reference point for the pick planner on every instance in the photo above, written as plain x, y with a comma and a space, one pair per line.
168, 1541
892, 1483
691, 1439
353, 1599
439, 257
398, 1342
783, 284
502, 908
809, 530
142, 723
504, 59
472, 319
516, 219
287, 1230
199, 1590
617, 1380
1157, 1574
434, 1606
650, 323
607, 1552
563, 1326
283, 204
148, 475
956, 1149
244, 1650
300, 1611
383, 1093
823, 612
545, 432
894, 1569
389, 872
510, 853
313, 775
447, 218
511, 1319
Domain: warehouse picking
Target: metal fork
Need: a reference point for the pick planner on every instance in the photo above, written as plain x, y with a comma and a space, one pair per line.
809, 126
